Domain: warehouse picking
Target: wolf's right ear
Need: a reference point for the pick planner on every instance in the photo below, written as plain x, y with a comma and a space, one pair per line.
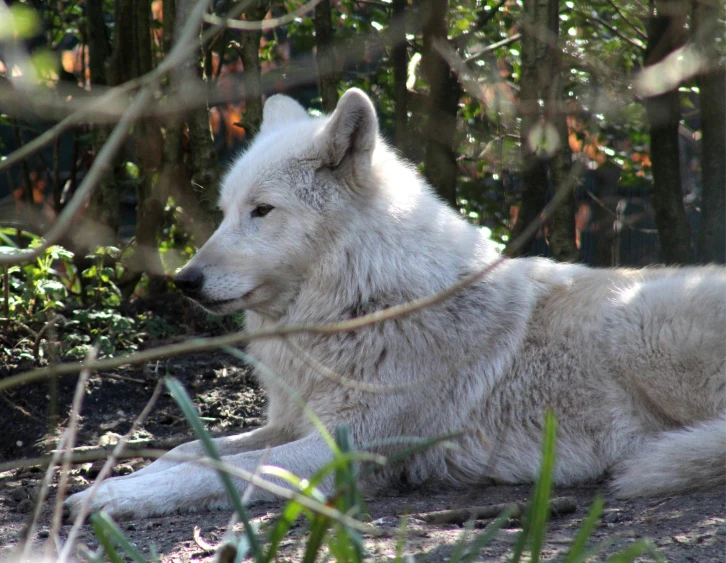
279, 110
351, 132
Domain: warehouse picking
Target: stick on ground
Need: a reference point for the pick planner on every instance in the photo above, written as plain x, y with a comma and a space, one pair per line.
562, 505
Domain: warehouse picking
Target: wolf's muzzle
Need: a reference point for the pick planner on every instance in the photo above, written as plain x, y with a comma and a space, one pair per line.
189, 281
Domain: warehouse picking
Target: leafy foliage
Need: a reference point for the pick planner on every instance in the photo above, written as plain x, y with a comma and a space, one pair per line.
80, 300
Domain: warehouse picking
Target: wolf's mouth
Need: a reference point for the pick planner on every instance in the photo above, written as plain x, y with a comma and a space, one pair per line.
212, 303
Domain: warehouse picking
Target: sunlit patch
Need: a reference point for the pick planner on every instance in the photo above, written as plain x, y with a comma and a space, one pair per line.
664, 76
625, 295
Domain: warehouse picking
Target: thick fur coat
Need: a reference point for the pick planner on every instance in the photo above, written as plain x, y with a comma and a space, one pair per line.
323, 222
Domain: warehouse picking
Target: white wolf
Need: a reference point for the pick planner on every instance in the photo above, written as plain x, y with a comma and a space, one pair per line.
322, 222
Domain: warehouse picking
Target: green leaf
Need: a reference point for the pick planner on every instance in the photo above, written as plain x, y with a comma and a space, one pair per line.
192, 416
535, 520
577, 552
463, 24
22, 23
103, 524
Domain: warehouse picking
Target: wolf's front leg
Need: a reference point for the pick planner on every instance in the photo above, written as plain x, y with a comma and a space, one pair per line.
258, 439
190, 486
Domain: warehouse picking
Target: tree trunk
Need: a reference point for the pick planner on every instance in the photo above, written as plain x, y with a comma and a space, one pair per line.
175, 178
148, 147
250, 55
442, 106
195, 186
204, 164
399, 61
99, 48
104, 203
544, 158
325, 56
712, 97
665, 34
562, 235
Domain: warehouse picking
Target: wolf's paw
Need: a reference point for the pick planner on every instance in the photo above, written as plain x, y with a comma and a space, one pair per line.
121, 499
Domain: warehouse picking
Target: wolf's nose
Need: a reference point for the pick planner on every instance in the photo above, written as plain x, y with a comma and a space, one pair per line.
189, 281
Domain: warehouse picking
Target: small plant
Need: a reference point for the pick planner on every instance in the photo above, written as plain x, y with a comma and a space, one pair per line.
53, 299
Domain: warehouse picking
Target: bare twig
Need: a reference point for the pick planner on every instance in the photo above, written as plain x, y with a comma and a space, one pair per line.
341, 379
106, 469
6, 294
65, 443
562, 505
68, 449
203, 344
99, 167
203, 545
493, 47
20, 324
634, 42
636, 28
42, 331
262, 25
183, 48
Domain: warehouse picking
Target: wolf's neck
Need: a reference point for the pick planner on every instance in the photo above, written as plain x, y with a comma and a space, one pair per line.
407, 246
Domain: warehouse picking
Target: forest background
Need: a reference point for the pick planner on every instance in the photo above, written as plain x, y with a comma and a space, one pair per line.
118, 118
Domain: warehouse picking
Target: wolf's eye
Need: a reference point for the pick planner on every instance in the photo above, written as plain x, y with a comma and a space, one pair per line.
262, 210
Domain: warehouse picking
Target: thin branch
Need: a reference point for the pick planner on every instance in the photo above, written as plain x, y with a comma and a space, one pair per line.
70, 432
636, 28
635, 43
106, 469
185, 46
342, 380
99, 167
101, 164
204, 344
66, 443
493, 47
262, 25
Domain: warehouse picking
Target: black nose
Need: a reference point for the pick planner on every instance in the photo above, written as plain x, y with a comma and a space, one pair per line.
189, 281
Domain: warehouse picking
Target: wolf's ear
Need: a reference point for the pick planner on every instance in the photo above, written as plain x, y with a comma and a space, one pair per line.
280, 110
351, 131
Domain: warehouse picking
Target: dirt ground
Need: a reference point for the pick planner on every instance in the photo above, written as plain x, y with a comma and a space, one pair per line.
684, 529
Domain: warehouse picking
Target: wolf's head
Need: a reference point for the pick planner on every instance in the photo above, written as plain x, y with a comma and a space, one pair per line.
281, 200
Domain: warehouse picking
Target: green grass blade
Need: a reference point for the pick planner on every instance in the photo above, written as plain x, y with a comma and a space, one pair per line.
192, 416
535, 519
629, 554
401, 540
347, 499
284, 522
242, 547
102, 522
318, 531
103, 539
417, 445
543, 487
577, 552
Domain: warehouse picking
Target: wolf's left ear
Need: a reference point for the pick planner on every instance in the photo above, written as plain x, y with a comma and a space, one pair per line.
280, 110
352, 131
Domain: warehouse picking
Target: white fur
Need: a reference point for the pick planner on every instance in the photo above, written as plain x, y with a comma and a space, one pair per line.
630, 361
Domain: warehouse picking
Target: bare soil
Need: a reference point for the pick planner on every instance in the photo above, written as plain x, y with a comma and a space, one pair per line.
690, 528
